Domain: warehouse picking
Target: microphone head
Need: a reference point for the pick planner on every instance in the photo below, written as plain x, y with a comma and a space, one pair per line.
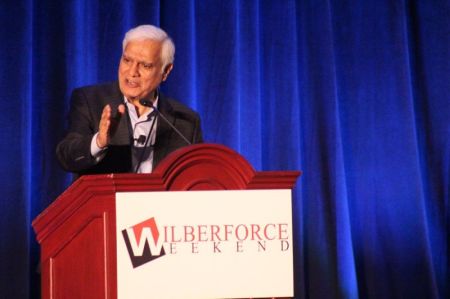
146, 103
141, 139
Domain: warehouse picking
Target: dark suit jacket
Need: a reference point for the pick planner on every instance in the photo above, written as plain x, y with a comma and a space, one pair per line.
87, 103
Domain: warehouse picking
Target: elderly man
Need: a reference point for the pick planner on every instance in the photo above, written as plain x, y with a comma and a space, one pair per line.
125, 126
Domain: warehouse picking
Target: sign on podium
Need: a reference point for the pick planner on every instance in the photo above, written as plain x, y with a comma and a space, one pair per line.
204, 244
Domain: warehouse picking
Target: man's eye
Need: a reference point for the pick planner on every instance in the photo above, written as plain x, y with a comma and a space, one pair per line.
125, 59
147, 65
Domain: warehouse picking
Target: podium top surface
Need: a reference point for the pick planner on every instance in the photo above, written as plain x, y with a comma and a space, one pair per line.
195, 167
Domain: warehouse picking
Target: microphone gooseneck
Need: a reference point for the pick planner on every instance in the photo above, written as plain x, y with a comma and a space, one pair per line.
148, 103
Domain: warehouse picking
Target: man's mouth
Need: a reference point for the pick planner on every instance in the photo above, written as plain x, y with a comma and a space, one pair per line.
131, 83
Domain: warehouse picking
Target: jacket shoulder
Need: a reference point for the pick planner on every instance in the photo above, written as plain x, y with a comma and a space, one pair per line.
98, 95
179, 109
105, 88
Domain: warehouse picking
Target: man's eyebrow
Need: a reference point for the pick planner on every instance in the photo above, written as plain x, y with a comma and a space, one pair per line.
152, 63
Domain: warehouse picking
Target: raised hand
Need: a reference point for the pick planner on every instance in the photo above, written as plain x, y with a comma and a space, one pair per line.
107, 123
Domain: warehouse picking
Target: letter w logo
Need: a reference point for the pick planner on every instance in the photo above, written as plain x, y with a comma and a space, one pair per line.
143, 242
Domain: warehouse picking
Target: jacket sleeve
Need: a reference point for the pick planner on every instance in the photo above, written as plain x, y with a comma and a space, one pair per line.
73, 152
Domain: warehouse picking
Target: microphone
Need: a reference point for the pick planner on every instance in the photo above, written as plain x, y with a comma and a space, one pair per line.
141, 139
148, 103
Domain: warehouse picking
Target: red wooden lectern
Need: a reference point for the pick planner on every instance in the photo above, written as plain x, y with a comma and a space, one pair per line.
77, 232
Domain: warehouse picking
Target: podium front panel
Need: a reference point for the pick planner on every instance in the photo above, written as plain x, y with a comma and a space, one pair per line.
204, 244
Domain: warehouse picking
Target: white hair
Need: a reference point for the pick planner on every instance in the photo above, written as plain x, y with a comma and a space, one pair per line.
152, 33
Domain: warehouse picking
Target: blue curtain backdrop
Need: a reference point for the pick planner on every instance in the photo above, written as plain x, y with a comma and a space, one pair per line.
353, 93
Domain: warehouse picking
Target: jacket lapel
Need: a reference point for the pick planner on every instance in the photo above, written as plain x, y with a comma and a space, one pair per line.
121, 135
163, 131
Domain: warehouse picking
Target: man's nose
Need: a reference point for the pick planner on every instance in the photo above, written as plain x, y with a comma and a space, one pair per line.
134, 69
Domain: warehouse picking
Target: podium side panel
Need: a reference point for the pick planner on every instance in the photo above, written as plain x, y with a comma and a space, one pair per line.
79, 260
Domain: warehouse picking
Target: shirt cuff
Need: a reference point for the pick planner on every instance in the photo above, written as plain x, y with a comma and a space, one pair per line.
97, 152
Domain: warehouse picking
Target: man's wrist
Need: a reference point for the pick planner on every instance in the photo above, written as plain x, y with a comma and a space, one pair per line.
96, 149
99, 145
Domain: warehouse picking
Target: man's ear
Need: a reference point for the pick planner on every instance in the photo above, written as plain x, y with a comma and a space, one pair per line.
167, 71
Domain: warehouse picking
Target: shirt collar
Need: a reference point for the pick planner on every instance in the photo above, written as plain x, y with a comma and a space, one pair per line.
132, 109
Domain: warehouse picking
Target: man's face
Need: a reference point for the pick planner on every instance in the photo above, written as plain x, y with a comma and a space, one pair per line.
140, 69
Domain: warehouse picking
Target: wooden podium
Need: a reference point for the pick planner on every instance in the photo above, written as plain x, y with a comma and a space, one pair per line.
77, 232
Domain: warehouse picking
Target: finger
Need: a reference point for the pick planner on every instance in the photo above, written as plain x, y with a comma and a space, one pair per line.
103, 127
117, 113
106, 113
121, 109
105, 119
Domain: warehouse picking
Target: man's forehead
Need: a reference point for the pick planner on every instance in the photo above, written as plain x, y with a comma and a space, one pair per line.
142, 54
144, 43
144, 48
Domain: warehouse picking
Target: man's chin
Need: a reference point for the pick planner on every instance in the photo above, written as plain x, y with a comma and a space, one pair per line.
132, 97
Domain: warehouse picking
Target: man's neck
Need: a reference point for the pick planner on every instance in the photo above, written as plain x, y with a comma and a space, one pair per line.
140, 109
